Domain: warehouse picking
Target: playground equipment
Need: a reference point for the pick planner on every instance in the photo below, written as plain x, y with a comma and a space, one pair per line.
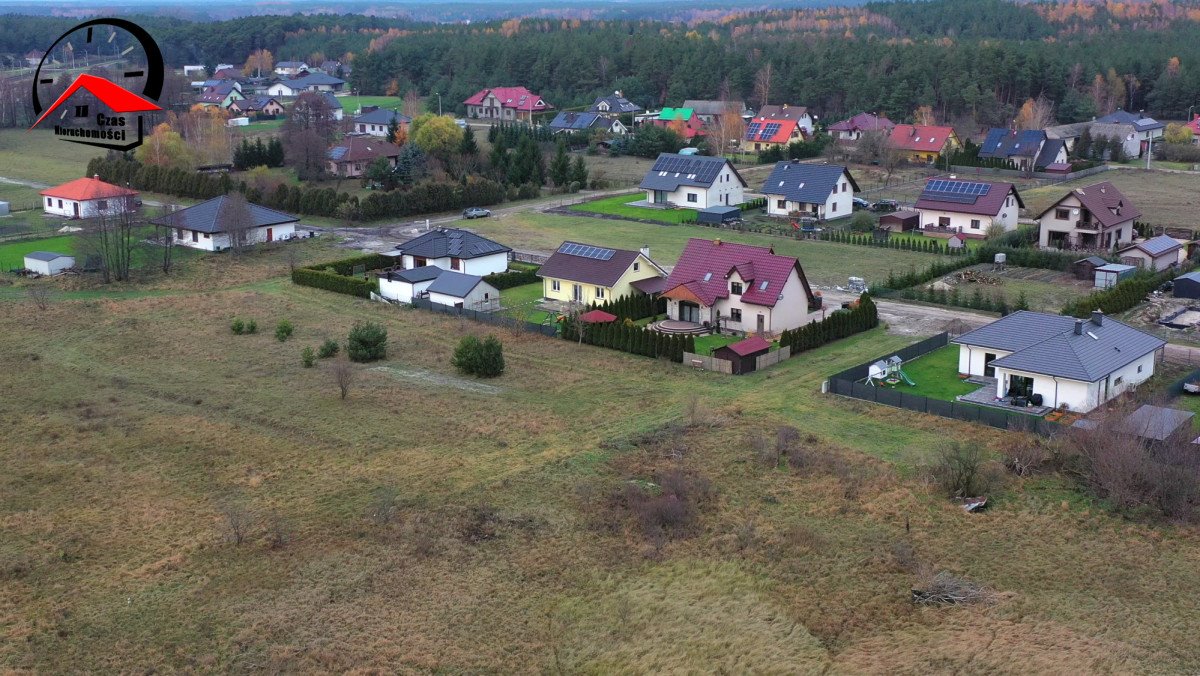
889, 372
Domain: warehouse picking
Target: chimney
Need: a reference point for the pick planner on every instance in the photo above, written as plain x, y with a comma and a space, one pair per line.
1097, 318
1079, 327
97, 177
645, 251
717, 241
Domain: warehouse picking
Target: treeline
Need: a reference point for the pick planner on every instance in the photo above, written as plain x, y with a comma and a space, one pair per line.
258, 154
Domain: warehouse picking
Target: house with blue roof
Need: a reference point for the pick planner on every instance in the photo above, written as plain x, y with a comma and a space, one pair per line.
825, 191
1059, 360
693, 182
567, 121
1027, 149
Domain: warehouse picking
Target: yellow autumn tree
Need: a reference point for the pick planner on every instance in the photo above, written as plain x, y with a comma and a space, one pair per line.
165, 148
260, 61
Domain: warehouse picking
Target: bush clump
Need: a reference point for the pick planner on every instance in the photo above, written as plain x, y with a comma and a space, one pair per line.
368, 342
251, 326
328, 349
238, 327
283, 330
482, 358
307, 357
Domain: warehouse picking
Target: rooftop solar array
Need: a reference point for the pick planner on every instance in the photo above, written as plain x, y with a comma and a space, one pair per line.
338, 152
760, 131
586, 251
957, 192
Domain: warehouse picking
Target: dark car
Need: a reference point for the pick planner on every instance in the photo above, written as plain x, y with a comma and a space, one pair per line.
475, 212
883, 206
860, 203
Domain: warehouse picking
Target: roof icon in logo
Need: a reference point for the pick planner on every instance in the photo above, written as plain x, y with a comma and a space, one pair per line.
115, 97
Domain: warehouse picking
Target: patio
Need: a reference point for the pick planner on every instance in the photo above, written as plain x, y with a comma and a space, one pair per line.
677, 327
986, 396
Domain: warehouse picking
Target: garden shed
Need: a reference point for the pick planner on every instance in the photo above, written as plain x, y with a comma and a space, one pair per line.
1187, 286
1085, 268
900, 221
48, 262
743, 354
718, 215
1110, 275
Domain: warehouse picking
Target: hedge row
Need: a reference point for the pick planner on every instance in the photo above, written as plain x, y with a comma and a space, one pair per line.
513, 277
923, 244
632, 339
840, 324
633, 307
1122, 296
320, 279
428, 198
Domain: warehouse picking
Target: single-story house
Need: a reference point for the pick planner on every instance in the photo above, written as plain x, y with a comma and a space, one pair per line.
351, 156
312, 82
1126, 133
743, 354
258, 105
763, 133
1186, 286
1093, 217
614, 105
1112, 274
683, 121
454, 249
901, 221
1156, 253
693, 181
1145, 129
1081, 363
88, 198
822, 190
582, 273
404, 285
739, 287
505, 103
1085, 268
469, 292
289, 68
207, 225
1068, 133
785, 112
922, 143
967, 207
378, 121
862, 123
566, 121
48, 263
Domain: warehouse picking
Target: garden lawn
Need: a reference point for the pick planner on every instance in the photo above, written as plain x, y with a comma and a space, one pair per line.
936, 375
12, 255
618, 205
525, 296
706, 344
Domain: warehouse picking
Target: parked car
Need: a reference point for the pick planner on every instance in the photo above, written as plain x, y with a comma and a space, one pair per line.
860, 203
883, 206
476, 212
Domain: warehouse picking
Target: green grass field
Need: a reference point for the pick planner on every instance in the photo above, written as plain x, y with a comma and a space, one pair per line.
12, 253
936, 375
39, 156
619, 206
1165, 198
824, 263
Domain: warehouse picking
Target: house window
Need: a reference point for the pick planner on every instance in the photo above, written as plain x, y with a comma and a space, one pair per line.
735, 288
636, 266
844, 186
692, 197
943, 221
207, 236
835, 207
1118, 381
555, 285
102, 205
975, 224
781, 204
455, 263
1139, 368
1062, 214
60, 204
49, 202
599, 292
735, 315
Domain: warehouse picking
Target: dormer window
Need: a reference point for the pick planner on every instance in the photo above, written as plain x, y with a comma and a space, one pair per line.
735, 288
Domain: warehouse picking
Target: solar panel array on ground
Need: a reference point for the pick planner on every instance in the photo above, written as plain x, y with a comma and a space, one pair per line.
587, 251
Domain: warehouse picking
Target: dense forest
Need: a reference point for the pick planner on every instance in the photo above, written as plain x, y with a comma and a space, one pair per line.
966, 59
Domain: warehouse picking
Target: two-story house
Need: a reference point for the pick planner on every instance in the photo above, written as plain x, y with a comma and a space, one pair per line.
763, 133
786, 112
967, 208
693, 181
923, 143
505, 103
1027, 149
822, 190
1093, 217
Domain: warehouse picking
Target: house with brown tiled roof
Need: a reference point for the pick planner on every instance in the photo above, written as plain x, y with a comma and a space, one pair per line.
351, 156
862, 123
923, 143
583, 273
1093, 217
950, 206
799, 114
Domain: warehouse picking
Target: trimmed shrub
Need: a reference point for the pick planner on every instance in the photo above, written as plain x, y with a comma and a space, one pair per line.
482, 358
368, 342
328, 349
331, 281
514, 276
283, 330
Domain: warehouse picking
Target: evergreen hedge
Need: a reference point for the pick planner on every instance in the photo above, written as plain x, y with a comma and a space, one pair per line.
633, 307
627, 337
1123, 295
336, 275
840, 324
514, 276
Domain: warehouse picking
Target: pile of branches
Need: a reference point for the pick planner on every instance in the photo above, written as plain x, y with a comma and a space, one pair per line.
945, 588
975, 277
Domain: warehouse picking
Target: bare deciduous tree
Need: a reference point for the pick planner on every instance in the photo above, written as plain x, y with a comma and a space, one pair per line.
762, 85
111, 236
726, 127
239, 521
39, 295
237, 221
1036, 114
343, 377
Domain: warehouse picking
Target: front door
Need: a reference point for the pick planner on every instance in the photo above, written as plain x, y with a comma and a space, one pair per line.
762, 324
988, 369
76, 205
689, 312
270, 235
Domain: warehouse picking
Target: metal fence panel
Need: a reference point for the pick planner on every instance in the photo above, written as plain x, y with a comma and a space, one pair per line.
914, 402
885, 396
994, 418
862, 391
964, 412
939, 407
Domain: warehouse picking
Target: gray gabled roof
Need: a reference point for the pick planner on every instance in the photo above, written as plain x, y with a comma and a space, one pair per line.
1047, 345
331, 100
209, 216
383, 116
1139, 121
1156, 422
46, 256
811, 183
455, 284
671, 171
415, 275
452, 242
313, 79
1193, 276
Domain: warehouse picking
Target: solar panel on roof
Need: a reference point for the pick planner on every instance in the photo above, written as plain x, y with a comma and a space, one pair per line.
338, 153
770, 130
587, 251
753, 129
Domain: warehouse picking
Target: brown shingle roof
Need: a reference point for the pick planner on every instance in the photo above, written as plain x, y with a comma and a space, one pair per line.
1101, 199
360, 148
587, 270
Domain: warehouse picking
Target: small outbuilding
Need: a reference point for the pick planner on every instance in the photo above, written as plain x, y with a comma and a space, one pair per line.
1187, 286
1156, 423
1110, 275
718, 215
956, 242
48, 263
1085, 268
404, 285
900, 221
743, 354
468, 292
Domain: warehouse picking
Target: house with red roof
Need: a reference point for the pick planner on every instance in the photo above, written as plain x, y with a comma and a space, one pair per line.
853, 128
950, 206
763, 133
505, 103
88, 198
1093, 217
923, 143
1194, 125
739, 287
